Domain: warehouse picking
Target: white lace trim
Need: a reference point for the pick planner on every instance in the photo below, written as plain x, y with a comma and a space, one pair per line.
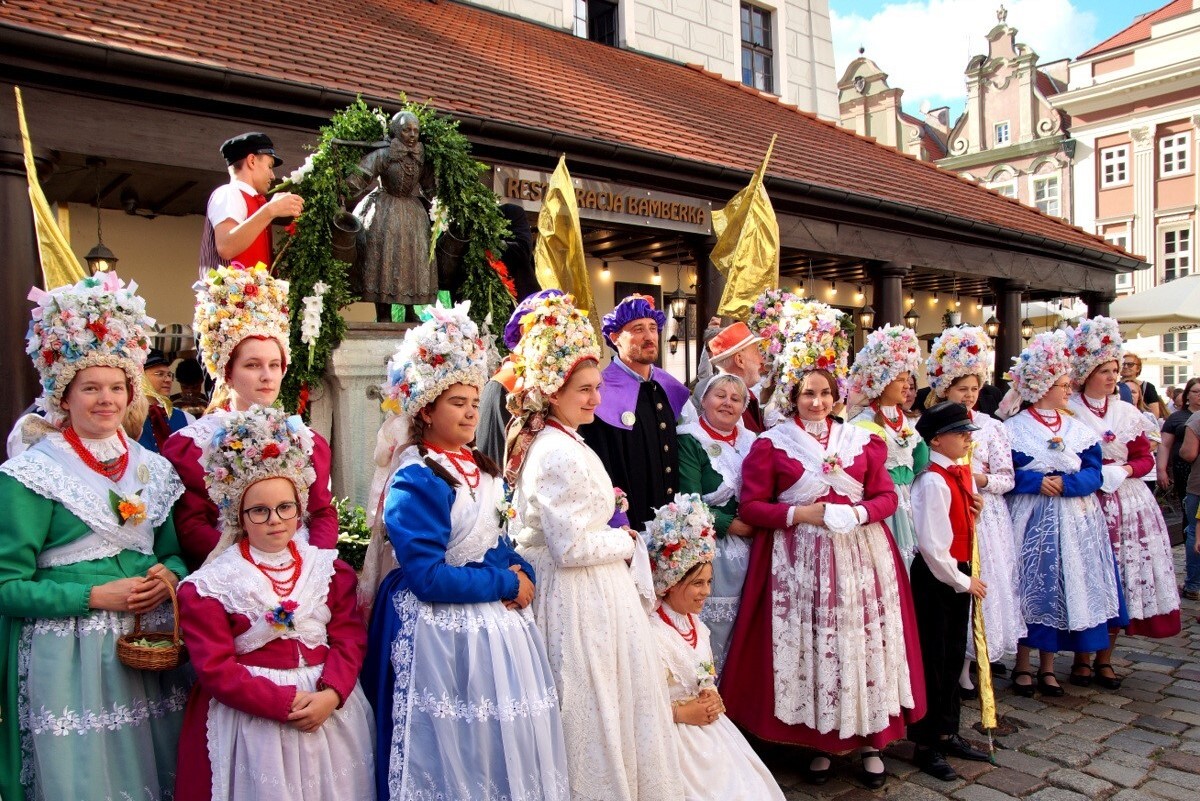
1032, 439
117, 716
846, 442
201, 432
684, 665
460, 618
1121, 418
726, 459
85, 494
242, 589
898, 455
485, 709
100, 622
720, 610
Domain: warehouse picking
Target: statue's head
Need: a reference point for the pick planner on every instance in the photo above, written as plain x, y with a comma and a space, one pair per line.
406, 127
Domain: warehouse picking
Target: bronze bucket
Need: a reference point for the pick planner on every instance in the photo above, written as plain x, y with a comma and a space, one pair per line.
344, 237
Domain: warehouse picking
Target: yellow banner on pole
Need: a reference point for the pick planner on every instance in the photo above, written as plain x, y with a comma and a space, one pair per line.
60, 267
747, 249
558, 257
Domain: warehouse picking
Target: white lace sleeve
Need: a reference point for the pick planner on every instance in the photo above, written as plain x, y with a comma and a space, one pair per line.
997, 458
565, 495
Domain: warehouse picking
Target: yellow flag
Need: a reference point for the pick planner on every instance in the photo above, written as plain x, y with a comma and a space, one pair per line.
747, 249
59, 264
558, 256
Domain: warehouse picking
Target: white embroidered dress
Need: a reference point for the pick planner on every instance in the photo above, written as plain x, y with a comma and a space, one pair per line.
616, 720
715, 761
992, 456
261, 759
902, 464
1141, 544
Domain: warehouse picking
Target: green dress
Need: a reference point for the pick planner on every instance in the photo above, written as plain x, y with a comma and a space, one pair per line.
714, 470
76, 722
907, 455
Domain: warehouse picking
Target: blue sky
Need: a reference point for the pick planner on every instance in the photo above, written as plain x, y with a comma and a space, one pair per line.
924, 45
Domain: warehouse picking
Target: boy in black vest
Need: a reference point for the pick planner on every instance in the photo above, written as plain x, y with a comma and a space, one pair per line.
944, 506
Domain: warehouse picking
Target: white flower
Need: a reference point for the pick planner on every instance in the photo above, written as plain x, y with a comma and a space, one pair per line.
298, 175
310, 322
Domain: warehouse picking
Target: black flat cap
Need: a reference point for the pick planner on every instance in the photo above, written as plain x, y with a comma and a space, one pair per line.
237, 148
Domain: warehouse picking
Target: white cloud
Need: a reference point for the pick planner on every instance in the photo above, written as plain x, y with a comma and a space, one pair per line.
924, 46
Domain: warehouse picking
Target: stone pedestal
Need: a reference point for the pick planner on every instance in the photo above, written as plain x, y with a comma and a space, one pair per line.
348, 412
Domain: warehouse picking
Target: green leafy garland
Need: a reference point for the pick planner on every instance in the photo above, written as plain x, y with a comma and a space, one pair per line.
306, 258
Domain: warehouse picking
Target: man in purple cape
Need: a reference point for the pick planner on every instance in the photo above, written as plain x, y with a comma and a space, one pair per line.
634, 430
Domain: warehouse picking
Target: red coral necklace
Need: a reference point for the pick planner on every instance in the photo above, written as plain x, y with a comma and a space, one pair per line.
284, 585
113, 470
460, 459
1100, 412
897, 426
691, 637
1054, 427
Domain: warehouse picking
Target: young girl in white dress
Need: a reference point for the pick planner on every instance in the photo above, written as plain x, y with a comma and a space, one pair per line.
715, 761
880, 375
591, 605
957, 367
272, 628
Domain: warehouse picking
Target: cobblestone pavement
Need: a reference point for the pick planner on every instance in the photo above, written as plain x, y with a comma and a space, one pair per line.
1139, 742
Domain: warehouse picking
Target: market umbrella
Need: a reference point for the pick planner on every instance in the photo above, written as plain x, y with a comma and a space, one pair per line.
1166, 309
1145, 350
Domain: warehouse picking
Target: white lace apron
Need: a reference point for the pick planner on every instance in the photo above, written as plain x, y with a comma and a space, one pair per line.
497, 692
262, 759
1066, 569
838, 647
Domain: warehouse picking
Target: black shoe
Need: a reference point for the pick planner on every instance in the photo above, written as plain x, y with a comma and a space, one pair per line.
956, 746
1108, 683
931, 761
1048, 689
1078, 677
870, 780
968, 693
1025, 690
999, 669
817, 777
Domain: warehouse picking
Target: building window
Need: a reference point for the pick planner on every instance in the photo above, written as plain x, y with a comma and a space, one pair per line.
1124, 280
1007, 188
1114, 166
1173, 153
1173, 343
757, 56
1176, 253
1000, 131
1045, 195
1173, 376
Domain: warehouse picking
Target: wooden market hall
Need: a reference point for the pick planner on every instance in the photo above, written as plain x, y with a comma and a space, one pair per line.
127, 109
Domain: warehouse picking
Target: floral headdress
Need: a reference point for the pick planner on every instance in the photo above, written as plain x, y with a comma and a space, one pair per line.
765, 316
556, 338
259, 443
681, 534
956, 353
236, 302
817, 337
1044, 360
98, 322
1094, 342
888, 352
444, 350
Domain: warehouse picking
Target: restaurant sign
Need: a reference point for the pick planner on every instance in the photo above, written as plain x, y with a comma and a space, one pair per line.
609, 202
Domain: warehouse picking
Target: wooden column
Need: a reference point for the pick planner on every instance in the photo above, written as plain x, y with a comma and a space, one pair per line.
1008, 311
21, 270
709, 281
888, 297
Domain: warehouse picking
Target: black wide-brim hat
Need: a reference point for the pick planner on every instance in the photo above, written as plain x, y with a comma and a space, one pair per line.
946, 417
252, 143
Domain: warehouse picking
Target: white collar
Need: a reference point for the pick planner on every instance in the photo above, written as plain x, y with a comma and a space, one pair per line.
244, 187
941, 459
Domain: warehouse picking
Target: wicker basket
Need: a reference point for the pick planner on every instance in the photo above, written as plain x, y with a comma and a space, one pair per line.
141, 657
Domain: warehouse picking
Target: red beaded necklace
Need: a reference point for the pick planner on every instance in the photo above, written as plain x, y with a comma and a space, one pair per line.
897, 426
283, 586
1101, 412
691, 637
730, 438
1054, 428
459, 459
113, 470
